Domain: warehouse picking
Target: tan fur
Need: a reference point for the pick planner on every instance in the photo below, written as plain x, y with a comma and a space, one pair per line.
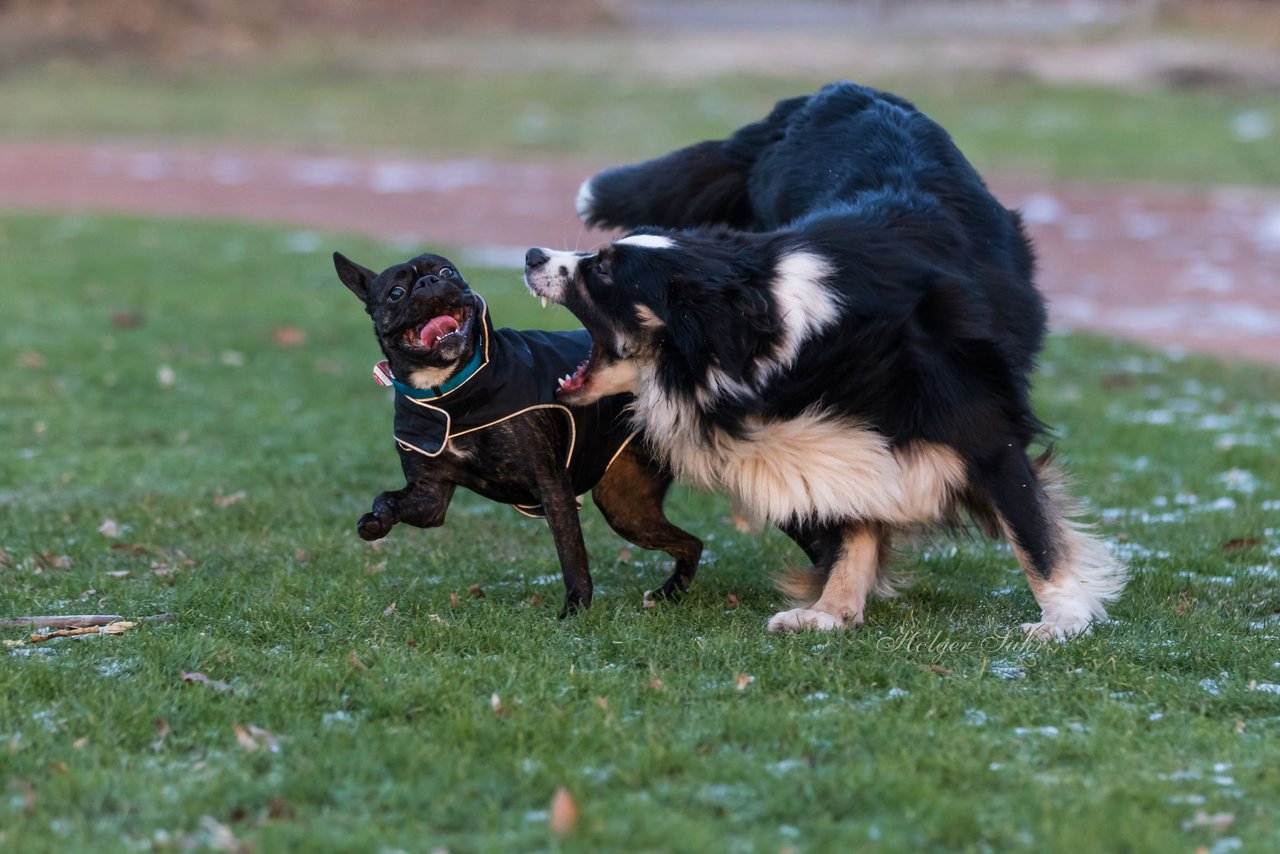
430, 377
614, 379
647, 318
844, 596
814, 467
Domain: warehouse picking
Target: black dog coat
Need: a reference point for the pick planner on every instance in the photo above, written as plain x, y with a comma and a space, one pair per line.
511, 374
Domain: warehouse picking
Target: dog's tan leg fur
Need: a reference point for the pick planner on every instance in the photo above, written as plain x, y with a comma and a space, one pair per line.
844, 596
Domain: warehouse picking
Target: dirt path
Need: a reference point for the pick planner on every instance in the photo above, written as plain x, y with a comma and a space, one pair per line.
1191, 269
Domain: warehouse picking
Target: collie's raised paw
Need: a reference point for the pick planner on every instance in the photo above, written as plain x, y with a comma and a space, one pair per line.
1046, 631
799, 619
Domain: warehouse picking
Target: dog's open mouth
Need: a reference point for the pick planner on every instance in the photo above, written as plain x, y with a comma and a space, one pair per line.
449, 323
575, 382
584, 386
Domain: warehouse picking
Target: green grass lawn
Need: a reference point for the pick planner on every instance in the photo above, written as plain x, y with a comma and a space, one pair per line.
376, 98
206, 387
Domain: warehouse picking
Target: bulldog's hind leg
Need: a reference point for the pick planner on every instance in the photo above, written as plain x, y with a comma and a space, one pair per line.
630, 497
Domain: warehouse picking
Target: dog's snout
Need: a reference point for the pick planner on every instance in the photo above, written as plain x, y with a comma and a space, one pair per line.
434, 287
535, 258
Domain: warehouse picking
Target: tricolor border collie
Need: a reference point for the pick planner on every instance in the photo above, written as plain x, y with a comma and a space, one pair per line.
831, 318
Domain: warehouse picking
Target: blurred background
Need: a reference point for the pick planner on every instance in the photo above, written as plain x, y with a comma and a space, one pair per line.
1139, 137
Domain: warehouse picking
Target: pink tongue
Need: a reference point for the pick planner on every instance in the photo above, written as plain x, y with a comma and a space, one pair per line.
436, 328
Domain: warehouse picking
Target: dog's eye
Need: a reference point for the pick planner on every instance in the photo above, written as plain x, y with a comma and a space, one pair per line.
395, 294
603, 270
446, 272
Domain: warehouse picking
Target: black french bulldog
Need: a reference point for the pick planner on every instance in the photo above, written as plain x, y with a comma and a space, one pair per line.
475, 407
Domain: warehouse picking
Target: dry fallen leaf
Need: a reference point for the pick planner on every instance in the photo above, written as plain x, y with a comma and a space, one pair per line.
162, 732
289, 336
221, 687
742, 680
270, 739
389, 610
534, 599
454, 600
474, 590
624, 555
354, 660
220, 836
301, 556
245, 740
109, 528
602, 703
120, 573
131, 548
125, 319
495, 703
935, 668
30, 359
1239, 544
236, 497
80, 743
1220, 821
374, 569
731, 602
657, 685
564, 813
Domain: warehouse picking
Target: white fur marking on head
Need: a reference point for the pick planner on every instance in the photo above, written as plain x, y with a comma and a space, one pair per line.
548, 280
806, 304
647, 241
585, 199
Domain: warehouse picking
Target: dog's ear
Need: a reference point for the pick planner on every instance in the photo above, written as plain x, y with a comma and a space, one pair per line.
354, 276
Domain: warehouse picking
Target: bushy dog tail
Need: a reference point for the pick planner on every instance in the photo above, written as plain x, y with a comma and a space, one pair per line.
703, 184
802, 587
698, 185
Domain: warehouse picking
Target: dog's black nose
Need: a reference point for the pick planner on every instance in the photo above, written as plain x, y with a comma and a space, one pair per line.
535, 258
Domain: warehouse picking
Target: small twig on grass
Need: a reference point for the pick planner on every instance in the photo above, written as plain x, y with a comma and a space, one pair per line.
77, 621
70, 621
117, 628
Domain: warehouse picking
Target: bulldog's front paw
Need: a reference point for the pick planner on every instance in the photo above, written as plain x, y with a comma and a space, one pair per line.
374, 526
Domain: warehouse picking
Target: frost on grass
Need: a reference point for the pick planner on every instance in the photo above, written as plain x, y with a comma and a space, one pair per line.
1007, 670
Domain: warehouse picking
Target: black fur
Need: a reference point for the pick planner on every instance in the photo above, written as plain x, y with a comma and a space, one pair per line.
940, 322
521, 461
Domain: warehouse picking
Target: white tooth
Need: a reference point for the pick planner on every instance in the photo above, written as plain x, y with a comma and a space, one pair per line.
544, 302
561, 381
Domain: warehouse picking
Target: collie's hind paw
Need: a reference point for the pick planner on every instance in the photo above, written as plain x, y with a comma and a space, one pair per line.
1046, 631
799, 619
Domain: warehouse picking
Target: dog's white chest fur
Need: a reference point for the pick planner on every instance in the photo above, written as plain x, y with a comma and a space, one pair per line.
816, 467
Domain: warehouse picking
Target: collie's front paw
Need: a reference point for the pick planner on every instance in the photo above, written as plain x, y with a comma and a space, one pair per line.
799, 619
